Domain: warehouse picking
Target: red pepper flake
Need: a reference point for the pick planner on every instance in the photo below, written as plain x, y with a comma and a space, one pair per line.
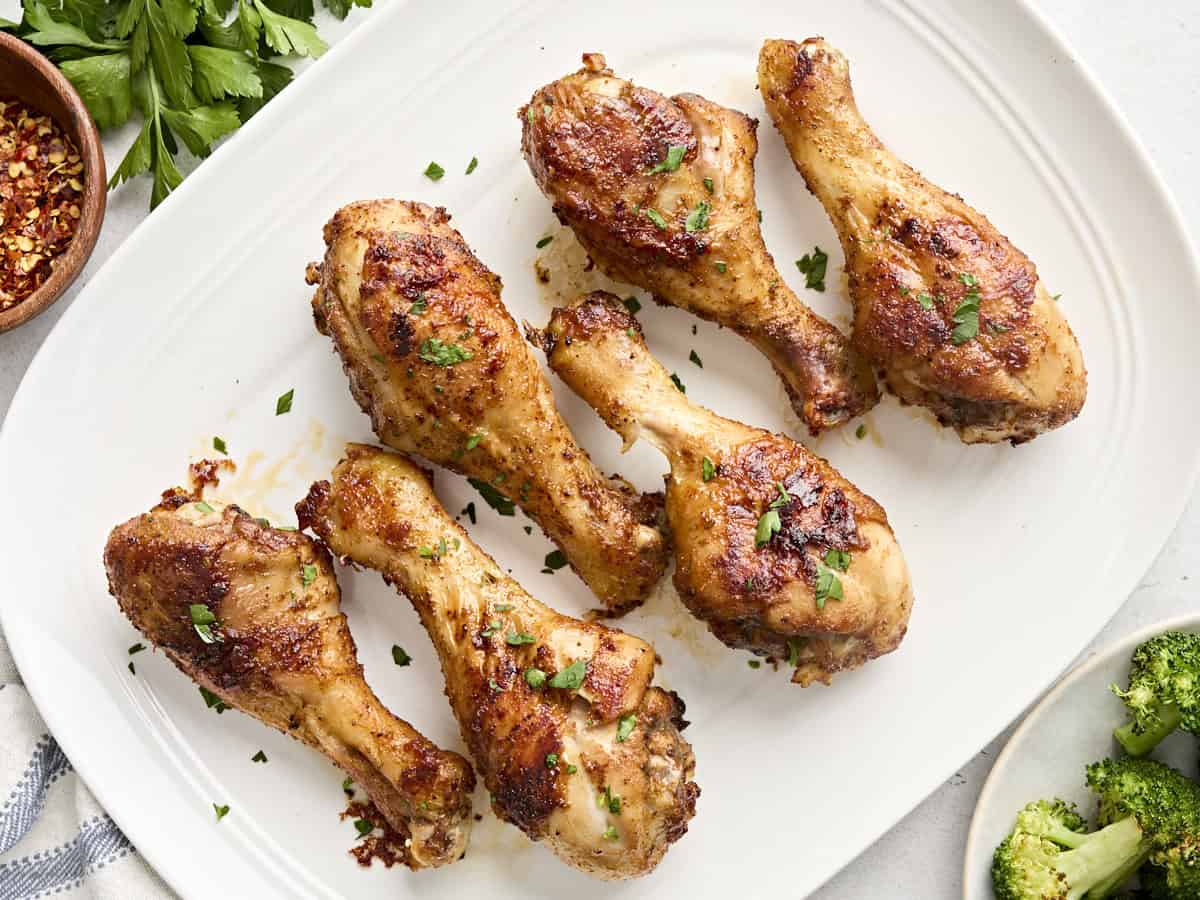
389, 848
41, 191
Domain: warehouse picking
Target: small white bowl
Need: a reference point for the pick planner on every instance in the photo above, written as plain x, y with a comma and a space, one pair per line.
1070, 727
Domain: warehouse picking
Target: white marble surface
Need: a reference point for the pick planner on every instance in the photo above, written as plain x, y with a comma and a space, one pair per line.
1147, 56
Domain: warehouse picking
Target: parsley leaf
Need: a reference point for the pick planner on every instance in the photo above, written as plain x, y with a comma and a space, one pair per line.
656, 217
555, 560
259, 757
471, 166
695, 357
284, 403
707, 469
837, 559
535, 678
625, 726
633, 305
544, 241
813, 266
671, 162
571, 678
829, 586
441, 354
697, 219
493, 497
966, 319
219, 445
678, 384
399, 656
221, 811
768, 526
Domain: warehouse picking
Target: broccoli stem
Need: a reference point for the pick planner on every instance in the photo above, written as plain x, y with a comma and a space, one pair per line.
1137, 743
1105, 855
1109, 886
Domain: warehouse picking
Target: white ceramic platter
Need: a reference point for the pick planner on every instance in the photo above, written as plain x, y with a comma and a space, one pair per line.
1070, 727
201, 320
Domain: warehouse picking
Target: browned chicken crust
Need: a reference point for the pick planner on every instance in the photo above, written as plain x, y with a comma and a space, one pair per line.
439, 365
914, 255
758, 598
595, 767
281, 651
597, 146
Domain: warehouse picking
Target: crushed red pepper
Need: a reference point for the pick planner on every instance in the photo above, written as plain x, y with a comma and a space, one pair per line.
41, 189
383, 843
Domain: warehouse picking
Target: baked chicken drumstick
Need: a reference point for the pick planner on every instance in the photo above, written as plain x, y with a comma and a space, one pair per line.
574, 744
954, 315
439, 365
660, 192
251, 613
775, 550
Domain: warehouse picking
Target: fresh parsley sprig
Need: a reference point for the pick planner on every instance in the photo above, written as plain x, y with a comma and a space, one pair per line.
195, 70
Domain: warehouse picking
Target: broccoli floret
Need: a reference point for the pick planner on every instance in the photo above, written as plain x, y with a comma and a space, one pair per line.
1163, 692
1050, 856
1166, 806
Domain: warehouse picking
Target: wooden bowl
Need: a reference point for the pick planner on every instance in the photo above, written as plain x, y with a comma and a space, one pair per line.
28, 76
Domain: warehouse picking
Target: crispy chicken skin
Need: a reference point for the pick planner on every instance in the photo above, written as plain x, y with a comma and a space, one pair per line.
439, 365
282, 652
912, 254
597, 146
761, 599
546, 751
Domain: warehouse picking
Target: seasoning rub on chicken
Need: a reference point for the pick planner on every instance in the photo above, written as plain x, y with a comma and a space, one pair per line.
251, 614
954, 316
775, 550
439, 365
660, 192
576, 746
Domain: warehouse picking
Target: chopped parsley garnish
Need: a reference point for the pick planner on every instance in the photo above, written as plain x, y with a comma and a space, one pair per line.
551, 760
529, 113
132, 670
137, 648
571, 769
203, 507
363, 827
555, 560
750, 583
434, 172
760, 217
400, 656
493, 497
861, 431
348, 785
720, 266
837, 559
474, 440
629, 332
419, 305
471, 166
503, 607
517, 639
925, 300
829, 586
259, 757
966, 316
494, 685
544, 241
813, 266
492, 627
219, 445
707, 469
284, 403
793, 652
708, 185
697, 219
308, 574
1055, 297
221, 811
768, 526
469, 511
535, 678
784, 497
212, 701
673, 158
904, 292
610, 834
608, 800
633, 305
678, 383
753, 663
441, 354
437, 552
571, 678
695, 357
203, 620
625, 726
656, 217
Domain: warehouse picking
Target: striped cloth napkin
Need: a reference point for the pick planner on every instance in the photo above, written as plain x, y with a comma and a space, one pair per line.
54, 837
